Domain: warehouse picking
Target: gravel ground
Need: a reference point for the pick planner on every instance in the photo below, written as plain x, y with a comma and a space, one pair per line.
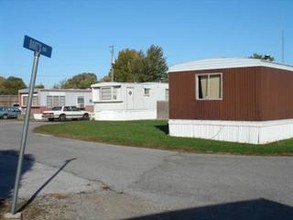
49, 193
105, 204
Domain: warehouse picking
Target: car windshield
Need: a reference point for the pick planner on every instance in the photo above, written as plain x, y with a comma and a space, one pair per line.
57, 108
73, 108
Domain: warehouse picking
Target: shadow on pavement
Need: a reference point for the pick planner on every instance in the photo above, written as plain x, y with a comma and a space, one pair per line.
244, 210
8, 166
66, 162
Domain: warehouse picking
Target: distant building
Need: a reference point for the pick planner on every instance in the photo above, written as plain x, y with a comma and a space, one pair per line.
8, 100
44, 99
231, 99
127, 101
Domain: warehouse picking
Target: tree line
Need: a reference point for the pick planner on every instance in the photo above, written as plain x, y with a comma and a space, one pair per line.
11, 85
130, 66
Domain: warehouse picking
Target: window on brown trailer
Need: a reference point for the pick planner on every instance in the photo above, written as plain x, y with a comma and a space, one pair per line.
209, 87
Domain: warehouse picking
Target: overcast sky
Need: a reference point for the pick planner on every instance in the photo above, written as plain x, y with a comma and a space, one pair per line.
81, 31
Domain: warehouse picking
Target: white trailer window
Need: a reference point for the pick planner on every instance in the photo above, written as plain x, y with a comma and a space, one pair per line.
53, 101
35, 101
80, 101
109, 93
167, 94
105, 93
147, 91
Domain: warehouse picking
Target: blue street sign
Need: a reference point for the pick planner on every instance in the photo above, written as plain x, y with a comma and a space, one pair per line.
37, 46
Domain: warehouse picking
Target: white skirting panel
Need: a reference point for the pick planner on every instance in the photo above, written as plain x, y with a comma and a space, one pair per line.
253, 132
125, 115
38, 116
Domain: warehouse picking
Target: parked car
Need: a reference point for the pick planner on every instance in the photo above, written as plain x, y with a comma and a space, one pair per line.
16, 105
9, 112
63, 113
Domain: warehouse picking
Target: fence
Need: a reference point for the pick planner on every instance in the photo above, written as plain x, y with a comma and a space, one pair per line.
163, 110
8, 100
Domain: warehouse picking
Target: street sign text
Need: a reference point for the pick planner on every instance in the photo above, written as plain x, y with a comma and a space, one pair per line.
37, 46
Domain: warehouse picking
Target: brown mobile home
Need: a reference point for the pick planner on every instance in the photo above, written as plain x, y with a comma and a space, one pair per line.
233, 99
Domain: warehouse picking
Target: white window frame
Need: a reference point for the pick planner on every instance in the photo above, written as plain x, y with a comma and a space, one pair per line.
35, 101
80, 104
147, 91
115, 93
60, 100
197, 76
167, 94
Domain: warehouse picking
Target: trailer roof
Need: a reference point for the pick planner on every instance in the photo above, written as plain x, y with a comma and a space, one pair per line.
224, 63
105, 84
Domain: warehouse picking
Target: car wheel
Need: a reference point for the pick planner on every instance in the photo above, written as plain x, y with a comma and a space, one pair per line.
86, 117
50, 119
62, 117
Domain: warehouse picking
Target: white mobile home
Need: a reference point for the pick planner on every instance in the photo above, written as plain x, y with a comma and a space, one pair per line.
44, 99
127, 101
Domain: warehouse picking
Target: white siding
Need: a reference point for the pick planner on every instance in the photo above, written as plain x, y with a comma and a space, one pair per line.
233, 131
71, 97
142, 106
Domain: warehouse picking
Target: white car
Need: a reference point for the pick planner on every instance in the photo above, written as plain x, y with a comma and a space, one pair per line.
63, 113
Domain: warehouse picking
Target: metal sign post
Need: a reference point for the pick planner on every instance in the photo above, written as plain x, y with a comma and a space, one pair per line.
38, 48
24, 131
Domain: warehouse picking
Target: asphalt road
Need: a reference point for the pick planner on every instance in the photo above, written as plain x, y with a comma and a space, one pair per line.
188, 183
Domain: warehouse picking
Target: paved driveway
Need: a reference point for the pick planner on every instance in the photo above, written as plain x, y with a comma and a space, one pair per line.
170, 180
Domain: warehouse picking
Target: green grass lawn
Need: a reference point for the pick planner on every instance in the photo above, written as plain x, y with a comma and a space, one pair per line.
154, 134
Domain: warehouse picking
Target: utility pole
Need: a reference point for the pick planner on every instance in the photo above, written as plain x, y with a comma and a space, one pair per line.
112, 62
283, 47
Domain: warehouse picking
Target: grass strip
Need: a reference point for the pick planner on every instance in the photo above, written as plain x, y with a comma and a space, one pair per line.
154, 134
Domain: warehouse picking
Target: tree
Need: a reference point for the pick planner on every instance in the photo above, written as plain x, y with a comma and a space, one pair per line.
262, 57
11, 85
126, 68
135, 66
106, 79
155, 65
58, 85
39, 86
80, 81
2, 79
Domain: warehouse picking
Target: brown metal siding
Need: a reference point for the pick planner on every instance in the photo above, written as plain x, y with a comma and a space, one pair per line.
276, 94
241, 96
181, 95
